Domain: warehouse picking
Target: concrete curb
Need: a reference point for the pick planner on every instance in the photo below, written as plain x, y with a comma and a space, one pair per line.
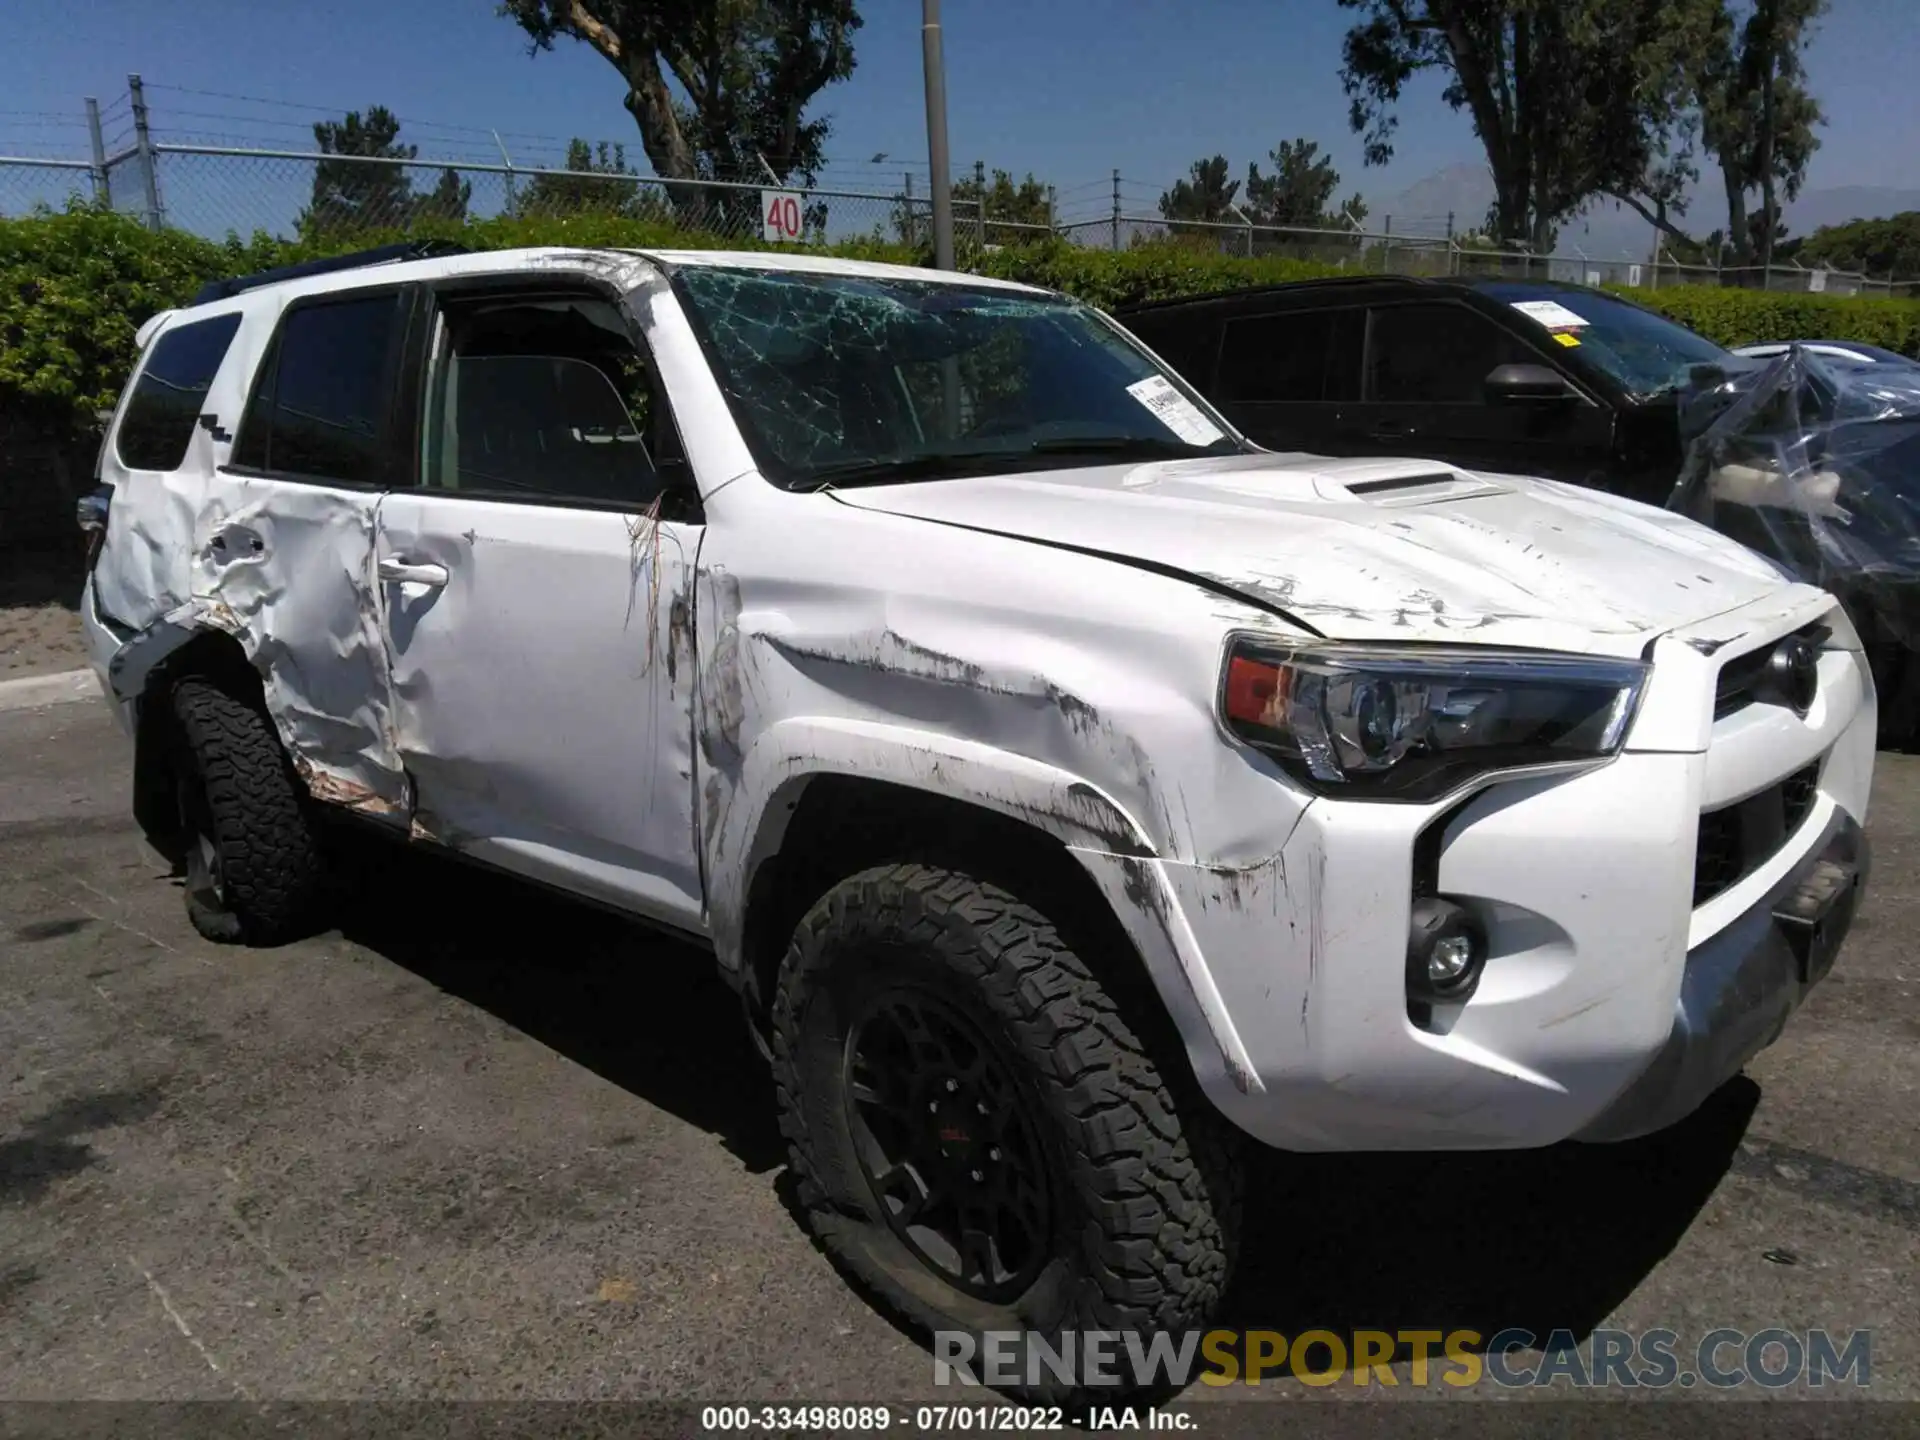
38, 690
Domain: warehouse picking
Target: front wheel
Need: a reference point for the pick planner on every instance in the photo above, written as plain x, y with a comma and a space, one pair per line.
979, 1134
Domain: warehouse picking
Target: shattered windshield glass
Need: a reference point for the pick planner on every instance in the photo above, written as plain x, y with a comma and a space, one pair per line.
845, 380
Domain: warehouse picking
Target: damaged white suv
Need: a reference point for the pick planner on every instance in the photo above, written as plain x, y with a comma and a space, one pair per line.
1054, 774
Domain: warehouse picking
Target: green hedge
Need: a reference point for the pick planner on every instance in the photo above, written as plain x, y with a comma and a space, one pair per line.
76, 285
1750, 317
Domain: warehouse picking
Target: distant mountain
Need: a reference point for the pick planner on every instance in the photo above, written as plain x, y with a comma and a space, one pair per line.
1608, 229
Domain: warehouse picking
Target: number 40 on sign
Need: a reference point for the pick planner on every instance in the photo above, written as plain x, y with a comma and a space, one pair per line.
781, 215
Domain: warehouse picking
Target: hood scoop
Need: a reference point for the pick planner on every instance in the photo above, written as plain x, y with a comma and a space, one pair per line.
1427, 487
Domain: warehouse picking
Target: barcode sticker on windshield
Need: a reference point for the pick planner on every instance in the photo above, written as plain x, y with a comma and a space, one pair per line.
1550, 313
1174, 410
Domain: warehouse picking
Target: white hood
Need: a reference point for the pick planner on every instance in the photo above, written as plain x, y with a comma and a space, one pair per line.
1377, 549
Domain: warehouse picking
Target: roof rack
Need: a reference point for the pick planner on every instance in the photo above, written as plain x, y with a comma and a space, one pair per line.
379, 255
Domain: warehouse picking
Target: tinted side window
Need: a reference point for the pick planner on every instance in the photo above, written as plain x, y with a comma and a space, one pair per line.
166, 399
320, 403
1435, 354
1266, 359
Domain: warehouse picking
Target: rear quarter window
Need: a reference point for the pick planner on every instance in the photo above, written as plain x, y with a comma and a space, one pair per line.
165, 405
320, 401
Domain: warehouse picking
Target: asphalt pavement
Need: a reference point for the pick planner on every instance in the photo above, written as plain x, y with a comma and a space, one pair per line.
482, 1143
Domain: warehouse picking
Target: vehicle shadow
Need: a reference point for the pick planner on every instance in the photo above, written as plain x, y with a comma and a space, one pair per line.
1543, 1240
1533, 1240
639, 1008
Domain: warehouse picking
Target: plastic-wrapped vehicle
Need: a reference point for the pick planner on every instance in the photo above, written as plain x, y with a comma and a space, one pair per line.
1816, 464
1846, 352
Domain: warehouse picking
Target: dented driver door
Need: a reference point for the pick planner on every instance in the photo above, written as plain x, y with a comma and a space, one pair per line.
535, 591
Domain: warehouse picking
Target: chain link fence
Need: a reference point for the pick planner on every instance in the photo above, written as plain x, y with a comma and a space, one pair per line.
214, 190
26, 184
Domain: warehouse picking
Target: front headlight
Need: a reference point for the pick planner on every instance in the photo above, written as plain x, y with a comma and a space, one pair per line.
1415, 722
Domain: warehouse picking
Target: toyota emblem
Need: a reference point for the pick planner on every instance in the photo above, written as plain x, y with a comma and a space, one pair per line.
1795, 671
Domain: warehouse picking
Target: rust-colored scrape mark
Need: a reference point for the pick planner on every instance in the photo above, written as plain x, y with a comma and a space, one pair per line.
221, 616
616, 1290
337, 790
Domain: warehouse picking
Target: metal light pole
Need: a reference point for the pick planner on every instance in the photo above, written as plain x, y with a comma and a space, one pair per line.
937, 134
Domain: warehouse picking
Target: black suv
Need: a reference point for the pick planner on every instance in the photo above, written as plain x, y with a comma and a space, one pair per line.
1574, 384
1522, 376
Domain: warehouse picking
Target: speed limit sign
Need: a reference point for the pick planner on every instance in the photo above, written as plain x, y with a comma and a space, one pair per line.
780, 215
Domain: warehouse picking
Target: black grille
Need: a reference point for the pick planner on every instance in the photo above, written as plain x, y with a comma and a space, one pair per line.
1744, 680
1739, 679
1736, 841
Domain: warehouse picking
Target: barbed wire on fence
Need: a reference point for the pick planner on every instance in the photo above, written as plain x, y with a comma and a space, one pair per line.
214, 189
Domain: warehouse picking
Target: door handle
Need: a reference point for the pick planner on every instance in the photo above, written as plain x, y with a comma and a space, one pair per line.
1390, 431
402, 572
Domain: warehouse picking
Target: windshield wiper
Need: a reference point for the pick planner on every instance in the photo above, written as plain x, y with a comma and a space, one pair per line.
1116, 445
950, 463
905, 467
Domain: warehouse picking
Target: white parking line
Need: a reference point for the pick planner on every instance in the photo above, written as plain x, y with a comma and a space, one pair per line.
38, 690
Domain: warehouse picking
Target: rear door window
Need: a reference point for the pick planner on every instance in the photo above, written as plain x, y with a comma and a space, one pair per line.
1435, 354
321, 402
166, 400
1275, 359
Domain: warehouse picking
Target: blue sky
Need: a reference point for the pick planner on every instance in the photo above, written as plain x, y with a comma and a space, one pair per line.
1069, 89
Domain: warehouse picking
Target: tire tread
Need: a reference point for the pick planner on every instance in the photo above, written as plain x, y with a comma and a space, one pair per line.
269, 849
1159, 1177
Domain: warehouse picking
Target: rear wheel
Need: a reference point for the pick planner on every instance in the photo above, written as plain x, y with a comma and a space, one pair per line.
976, 1130
251, 851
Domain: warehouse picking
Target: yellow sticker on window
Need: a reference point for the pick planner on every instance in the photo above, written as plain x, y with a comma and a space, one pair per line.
1572, 342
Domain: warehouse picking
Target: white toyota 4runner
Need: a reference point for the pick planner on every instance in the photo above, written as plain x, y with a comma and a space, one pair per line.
1054, 773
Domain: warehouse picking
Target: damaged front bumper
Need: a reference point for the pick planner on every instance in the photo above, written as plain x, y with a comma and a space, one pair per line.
1616, 992
1741, 985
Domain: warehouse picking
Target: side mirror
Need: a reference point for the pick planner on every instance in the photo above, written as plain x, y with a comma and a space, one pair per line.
1519, 384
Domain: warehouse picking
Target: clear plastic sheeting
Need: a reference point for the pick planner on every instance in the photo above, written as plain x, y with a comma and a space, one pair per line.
1815, 463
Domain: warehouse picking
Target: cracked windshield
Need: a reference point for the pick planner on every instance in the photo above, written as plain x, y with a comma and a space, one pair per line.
845, 380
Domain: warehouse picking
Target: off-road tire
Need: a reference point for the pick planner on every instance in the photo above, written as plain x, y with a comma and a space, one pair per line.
1146, 1175
237, 787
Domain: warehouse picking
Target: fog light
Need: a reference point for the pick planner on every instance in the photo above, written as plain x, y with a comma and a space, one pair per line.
1449, 959
1446, 951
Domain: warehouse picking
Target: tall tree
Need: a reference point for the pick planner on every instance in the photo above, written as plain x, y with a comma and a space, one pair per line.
1206, 194
351, 194
1568, 97
1772, 48
1765, 119
1299, 190
1748, 111
746, 71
